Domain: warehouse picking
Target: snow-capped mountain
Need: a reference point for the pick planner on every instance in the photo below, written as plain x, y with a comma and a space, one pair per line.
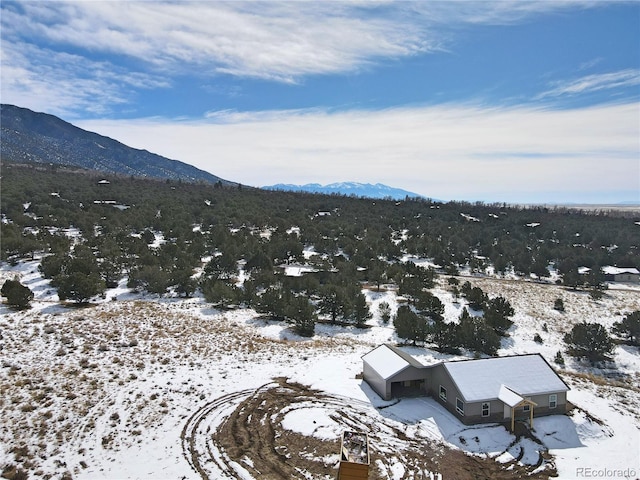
356, 189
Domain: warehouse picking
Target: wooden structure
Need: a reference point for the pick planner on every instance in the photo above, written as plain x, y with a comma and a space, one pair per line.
354, 456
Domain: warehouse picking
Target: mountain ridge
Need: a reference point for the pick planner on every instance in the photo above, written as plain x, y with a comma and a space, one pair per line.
36, 137
367, 190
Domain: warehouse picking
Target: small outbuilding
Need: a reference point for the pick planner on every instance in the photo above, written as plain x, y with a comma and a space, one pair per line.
498, 389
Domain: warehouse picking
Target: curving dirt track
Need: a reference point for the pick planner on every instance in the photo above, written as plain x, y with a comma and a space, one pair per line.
240, 436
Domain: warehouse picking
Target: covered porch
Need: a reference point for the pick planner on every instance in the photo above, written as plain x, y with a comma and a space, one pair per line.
512, 403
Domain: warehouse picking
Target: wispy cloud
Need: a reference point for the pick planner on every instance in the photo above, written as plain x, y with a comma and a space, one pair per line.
446, 151
280, 41
594, 83
59, 83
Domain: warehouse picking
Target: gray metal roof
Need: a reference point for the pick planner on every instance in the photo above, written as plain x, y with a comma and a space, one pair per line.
526, 375
388, 360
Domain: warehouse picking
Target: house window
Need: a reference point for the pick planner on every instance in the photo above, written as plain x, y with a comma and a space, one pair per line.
553, 401
459, 406
443, 393
526, 408
486, 409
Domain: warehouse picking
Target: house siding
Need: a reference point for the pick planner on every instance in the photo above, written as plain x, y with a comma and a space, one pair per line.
376, 382
438, 375
542, 402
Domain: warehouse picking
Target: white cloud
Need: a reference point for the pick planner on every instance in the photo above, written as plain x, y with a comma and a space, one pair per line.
594, 83
281, 41
449, 151
58, 83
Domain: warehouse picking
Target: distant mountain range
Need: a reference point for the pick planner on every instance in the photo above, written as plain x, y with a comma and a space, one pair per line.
366, 190
30, 137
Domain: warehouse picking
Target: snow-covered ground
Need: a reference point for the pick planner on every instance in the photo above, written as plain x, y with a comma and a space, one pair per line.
116, 389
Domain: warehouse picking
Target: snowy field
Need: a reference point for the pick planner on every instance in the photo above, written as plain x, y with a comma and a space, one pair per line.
138, 386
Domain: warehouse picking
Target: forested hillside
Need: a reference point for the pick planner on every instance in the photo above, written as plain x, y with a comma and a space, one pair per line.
170, 236
453, 234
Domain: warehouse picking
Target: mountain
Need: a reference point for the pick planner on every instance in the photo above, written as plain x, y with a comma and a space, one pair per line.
29, 136
367, 190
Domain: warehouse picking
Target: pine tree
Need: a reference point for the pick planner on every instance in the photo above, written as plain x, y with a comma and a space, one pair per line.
446, 337
301, 314
497, 313
476, 335
359, 311
589, 340
332, 302
628, 328
410, 326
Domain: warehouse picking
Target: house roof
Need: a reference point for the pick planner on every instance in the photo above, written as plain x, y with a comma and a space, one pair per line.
524, 375
511, 398
388, 360
618, 270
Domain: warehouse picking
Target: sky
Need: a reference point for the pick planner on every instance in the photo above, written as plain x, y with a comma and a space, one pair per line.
507, 101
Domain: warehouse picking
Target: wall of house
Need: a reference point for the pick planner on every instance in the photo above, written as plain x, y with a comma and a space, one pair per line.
383, 387
626, 277
410, 373
439, 376
543, 405
473, 412
376, 382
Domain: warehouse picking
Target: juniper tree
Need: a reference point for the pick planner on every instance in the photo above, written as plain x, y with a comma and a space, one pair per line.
18, 295
628, 328
589, 340
410, 326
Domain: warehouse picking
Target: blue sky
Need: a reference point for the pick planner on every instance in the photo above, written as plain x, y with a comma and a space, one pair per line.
513, 101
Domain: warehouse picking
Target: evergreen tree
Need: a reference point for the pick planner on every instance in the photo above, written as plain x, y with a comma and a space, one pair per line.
258, 261
410, 286
497, 313
446, 337
17, 294
151, 278
52, 265
359, 312
429, 305
410, 326
589, 340
221, 266
333, 302
476, 335
78, 286
78, 278
628, 328
301, 314
183, 281
477, 298
273, 302
220, 293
